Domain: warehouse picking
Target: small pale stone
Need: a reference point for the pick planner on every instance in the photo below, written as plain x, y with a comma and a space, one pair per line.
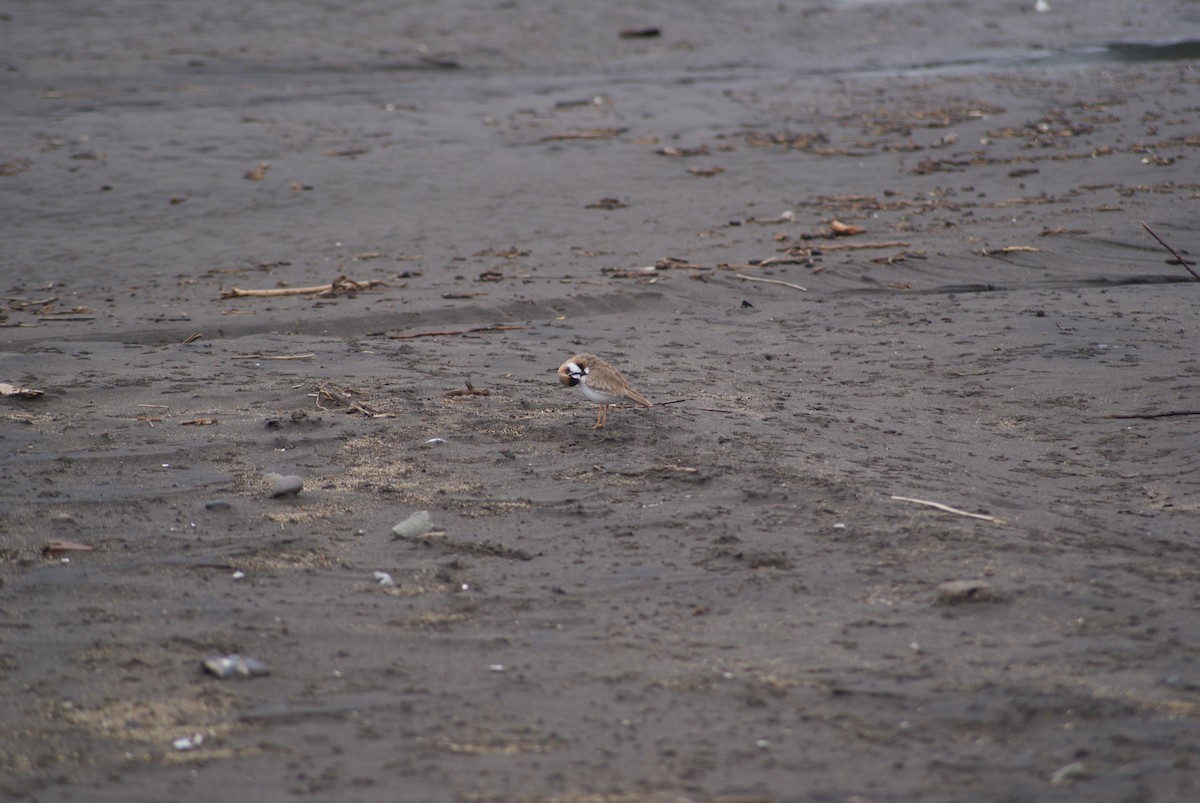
966, 591
415, 525
288, 485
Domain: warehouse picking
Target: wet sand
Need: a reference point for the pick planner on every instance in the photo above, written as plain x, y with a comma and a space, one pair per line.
718, 598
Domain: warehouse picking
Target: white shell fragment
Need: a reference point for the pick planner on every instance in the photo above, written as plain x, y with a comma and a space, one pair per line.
188, 742
234, 665
415, 525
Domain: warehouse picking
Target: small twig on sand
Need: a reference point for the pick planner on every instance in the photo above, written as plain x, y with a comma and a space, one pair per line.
339, 286
765, 280
1009, 249
795, 250
588, 133
500, 327
1168, 414
272, 356
469, 390
1174, 253
946, 508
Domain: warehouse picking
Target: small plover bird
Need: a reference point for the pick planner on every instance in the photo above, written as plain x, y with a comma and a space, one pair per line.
600, 382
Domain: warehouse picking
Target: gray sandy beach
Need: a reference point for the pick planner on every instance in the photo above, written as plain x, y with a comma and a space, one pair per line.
914, 516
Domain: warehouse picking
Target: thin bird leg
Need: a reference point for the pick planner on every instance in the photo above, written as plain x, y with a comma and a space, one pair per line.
601, 417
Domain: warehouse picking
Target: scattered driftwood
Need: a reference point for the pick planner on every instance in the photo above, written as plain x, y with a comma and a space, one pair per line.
1187, 265
199, 422
469, 390
192, 338
499, 327
149, 419
340, 397
16, 390
338, 287
1168, 414
947, 508
765, 280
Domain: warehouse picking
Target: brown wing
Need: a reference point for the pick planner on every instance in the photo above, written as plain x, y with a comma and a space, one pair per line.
630, 393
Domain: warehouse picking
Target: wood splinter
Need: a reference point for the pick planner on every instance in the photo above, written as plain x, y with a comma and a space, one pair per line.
765, 280
469, 390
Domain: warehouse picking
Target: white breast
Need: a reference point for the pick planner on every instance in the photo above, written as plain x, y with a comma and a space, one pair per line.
592, 394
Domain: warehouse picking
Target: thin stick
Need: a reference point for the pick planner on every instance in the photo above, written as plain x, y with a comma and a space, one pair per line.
855, 246
500, 327
946, 508
590, 133
765, 280
1156, 415
237, 292
339, 285
272, 356
1174, 253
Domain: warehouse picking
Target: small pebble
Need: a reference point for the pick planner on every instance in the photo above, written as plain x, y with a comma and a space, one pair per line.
217, 504
415, 525
384, 579
288, 485
1180, 682
966, 591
